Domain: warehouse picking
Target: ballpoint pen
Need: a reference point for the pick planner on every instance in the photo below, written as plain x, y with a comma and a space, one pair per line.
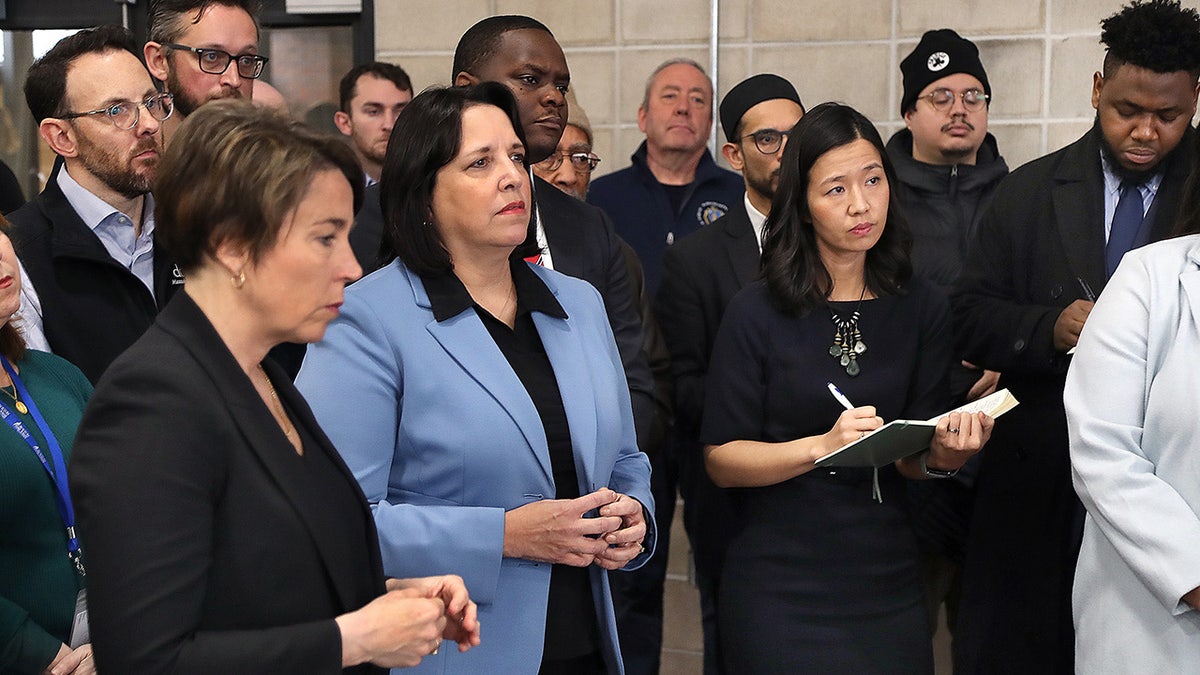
841, 398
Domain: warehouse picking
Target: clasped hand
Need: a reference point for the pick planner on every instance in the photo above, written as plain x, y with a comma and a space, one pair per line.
559, 531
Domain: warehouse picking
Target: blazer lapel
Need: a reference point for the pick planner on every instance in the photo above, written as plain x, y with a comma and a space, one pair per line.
262, 434
1190, 280
468, 343
743, 249
1079, 210
565, 350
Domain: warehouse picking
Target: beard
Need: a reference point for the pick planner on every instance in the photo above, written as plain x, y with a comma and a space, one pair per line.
764, 186
185, 103
118, 172
1121, 172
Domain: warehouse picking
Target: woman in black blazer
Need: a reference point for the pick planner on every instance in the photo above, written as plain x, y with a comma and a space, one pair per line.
225, 535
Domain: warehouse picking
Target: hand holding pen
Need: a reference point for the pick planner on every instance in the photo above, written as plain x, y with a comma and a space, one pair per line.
1070, 322
853, 424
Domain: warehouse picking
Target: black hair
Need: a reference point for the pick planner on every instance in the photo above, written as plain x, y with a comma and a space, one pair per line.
428, 136
348, 87
46, 82
1157, 35
480, 41
167, 16
791, 263
1188, 219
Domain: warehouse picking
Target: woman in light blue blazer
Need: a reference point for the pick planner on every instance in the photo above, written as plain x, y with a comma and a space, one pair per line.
480, 400
1132, 411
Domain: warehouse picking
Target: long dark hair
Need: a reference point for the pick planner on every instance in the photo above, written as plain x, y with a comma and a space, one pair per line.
427, 136
1188, 219
791, 264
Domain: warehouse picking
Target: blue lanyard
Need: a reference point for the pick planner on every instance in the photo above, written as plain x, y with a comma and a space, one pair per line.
58, 473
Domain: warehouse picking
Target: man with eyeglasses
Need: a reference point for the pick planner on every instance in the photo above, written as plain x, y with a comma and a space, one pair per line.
701, 274
87, 240
948, 167
1044, 249
204, 50
569, 168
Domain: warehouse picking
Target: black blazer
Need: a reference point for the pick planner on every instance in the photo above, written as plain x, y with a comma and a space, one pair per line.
92, 307
701, 274
1043, 231
583, 245
205, 553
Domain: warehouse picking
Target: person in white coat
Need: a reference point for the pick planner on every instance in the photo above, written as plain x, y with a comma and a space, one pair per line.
1132, 413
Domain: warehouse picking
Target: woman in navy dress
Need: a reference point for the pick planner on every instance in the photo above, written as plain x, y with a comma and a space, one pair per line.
822, 577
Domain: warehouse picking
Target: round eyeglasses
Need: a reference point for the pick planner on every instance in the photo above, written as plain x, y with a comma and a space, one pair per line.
581, 162
125, 114
943, 99
216, 61
768, 141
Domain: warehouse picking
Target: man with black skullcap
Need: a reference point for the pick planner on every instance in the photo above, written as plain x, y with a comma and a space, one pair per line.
1056, 229
948, 167
701, 273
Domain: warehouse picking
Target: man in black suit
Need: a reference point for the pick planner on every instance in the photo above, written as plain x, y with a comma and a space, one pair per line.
702, 273
1051, 237
87, 240
576, 239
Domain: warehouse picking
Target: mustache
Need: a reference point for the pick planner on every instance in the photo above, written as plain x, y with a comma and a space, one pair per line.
964, 122
143, 146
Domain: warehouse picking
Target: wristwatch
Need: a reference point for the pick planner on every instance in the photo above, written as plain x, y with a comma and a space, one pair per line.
932, 472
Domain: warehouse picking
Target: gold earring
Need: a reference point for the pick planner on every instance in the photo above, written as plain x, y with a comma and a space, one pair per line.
239, 280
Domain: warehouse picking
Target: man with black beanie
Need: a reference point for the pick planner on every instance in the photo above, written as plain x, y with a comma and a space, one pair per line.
1055, 231
948, 167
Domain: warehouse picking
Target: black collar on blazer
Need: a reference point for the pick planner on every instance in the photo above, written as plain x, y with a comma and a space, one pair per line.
184, 320
1079, 202
743, 250
70, 237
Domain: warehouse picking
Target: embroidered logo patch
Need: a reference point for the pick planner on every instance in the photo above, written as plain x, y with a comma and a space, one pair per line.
938, 61
710, 211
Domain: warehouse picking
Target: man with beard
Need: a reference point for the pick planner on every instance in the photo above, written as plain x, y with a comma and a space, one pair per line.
87, 240
1054, 233
371, 98
204, 50
701, 274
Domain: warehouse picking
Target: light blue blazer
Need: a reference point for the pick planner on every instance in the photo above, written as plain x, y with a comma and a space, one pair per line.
443, 438
1133, 401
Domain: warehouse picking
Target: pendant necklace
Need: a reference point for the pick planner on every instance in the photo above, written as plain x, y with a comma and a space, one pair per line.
17, 403
848, 344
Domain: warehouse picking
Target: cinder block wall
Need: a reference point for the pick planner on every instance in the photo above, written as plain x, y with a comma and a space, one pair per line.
1039, 54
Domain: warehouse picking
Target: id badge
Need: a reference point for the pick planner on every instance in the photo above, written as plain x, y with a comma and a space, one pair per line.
80, 635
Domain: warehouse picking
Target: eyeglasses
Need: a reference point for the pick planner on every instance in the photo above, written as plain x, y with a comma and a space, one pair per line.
581, 162
768, 141
125, 114
943, 99
216, 61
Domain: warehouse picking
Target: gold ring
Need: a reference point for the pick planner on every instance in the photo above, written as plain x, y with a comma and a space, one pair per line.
641, 549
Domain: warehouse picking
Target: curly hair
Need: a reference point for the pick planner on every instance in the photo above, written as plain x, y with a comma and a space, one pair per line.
1158, 35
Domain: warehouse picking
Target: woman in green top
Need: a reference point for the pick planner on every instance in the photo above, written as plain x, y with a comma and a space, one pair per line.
39, 581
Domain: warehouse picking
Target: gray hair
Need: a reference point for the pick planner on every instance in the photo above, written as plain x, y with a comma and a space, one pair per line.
667, 64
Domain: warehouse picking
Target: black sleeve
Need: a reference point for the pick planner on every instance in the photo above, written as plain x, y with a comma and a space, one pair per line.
735, 405
680, 311
11, 196
997, 326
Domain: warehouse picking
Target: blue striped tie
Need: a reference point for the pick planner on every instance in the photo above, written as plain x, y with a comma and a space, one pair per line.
1126, 222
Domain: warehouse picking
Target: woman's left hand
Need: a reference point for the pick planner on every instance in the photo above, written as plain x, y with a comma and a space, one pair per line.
624, 543
462, 615
956, 438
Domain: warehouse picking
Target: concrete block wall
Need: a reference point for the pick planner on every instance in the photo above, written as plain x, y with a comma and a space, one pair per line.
1039, 54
